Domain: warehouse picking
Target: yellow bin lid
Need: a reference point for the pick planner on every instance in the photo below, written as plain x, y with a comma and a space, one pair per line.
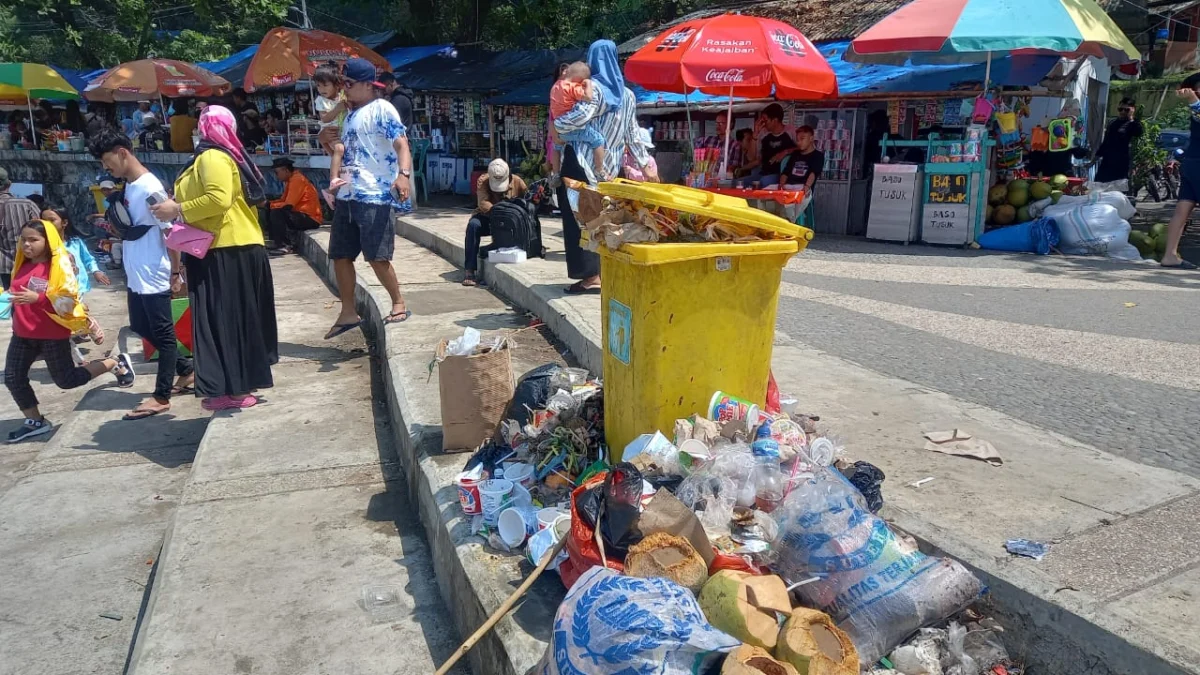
705, 203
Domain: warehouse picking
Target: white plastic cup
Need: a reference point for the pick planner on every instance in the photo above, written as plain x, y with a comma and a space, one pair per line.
513, 525
495, 495
520, 473
547, 516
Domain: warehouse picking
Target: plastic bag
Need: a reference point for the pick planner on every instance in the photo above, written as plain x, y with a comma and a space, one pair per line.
868, 478
1118, 200
616, 505
736, 462
1036, 236
961, 663
610, 623
532, 392
1095, 229
712, 497
985, 649
876, 589
465, 345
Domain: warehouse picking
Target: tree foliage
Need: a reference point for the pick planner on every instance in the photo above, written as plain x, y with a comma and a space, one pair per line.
101, 33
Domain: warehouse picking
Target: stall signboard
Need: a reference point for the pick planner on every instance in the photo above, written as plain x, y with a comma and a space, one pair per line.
895, 202
947, 213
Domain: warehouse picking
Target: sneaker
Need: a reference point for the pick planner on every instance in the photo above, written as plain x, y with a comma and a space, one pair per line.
30, 429
124, 363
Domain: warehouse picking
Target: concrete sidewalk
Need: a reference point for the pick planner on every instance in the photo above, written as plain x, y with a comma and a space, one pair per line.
83, 510
1115, 595
293, 508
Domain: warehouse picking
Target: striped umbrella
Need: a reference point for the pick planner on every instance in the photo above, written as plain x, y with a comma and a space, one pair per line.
972, 31
20, 83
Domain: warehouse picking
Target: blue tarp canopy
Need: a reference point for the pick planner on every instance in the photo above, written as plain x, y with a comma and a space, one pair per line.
856, 79
239, 58
402, 56
484, 72
853, 79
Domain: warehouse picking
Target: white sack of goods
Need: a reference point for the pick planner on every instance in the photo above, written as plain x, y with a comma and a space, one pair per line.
876, 588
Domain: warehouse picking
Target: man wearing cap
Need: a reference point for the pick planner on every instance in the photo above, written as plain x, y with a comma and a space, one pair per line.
377, 164
298, 209
14, 213
493, 187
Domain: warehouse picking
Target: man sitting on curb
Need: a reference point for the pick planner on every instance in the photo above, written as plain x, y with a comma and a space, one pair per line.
493, 187
298, 209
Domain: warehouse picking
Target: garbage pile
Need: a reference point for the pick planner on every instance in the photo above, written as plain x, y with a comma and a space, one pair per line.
1096, 223
629, 221
745, 540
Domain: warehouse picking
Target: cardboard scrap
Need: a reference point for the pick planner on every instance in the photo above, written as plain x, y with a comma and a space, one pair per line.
961, 444
665, 513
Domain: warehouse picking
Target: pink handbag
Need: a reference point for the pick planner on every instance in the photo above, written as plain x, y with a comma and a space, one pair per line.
187, 239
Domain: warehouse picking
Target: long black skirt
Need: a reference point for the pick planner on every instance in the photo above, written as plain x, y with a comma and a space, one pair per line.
235, 339
581, 263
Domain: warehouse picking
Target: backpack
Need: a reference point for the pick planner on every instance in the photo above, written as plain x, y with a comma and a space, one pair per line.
514, 223
118, 217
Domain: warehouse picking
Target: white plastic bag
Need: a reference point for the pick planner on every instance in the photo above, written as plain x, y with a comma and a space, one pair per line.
1094, 229
465, 345
876, 589
611, 623
1117, 200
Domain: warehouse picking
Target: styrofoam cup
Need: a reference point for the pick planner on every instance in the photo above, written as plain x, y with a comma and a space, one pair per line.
547, 516
512, 527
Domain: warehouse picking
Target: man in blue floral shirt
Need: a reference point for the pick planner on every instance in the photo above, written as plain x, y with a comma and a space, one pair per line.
377, 165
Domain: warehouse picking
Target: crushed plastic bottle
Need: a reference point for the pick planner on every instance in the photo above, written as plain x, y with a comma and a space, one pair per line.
767, 479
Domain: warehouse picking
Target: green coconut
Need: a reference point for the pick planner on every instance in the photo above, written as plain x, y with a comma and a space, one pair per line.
1160, 246
745, 606
987, 214
1018, 198
1023, 215
1158, 230
997, 194
1055, 196
1018, 185
1060, 182
1040, 190
1004, 215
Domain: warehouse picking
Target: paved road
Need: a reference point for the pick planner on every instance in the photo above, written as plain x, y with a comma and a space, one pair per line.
1052, 341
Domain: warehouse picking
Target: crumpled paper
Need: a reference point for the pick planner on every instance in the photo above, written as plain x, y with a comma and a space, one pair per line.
961, 444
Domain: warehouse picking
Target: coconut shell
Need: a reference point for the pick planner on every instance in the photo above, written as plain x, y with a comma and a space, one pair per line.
815, 646
665, 555
745, 606
751, 660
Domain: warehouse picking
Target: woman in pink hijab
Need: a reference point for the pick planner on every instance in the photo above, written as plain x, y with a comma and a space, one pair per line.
232, 294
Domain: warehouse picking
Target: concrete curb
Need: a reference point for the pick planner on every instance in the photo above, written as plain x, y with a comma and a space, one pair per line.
1061, 634
467, 589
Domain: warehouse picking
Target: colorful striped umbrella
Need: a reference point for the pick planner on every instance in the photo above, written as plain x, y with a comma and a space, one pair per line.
150, 78
20, 82
288, 55
971, 31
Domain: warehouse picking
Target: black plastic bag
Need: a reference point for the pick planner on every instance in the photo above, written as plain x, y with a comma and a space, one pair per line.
616, 504
489, 455
868, 478
532, 393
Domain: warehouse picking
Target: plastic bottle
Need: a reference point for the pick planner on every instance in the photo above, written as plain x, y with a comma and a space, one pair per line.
767, 479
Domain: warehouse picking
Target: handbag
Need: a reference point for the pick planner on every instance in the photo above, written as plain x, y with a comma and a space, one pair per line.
187, 239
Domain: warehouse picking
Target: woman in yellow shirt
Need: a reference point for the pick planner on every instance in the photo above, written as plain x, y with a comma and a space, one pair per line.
232, 294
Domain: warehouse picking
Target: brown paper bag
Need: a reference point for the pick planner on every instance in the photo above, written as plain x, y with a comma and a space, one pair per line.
474, 391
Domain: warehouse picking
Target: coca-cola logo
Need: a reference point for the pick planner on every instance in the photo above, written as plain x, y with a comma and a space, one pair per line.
790, 43
731, 76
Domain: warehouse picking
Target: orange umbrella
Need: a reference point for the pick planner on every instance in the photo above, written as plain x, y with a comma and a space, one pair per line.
150, 78
287, 55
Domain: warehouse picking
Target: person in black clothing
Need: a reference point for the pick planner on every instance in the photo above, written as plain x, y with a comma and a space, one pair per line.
1116, 151
805, 163
774, 146
400, 96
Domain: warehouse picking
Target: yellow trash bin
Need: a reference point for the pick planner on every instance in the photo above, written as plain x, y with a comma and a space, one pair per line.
683, 320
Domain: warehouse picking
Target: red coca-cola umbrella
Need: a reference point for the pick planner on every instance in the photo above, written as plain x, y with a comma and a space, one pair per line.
734, 55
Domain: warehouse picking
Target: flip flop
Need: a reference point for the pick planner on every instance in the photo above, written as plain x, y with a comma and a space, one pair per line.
137, 414
398, 317
1183, 265
339, 328
577, 289
180, 391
